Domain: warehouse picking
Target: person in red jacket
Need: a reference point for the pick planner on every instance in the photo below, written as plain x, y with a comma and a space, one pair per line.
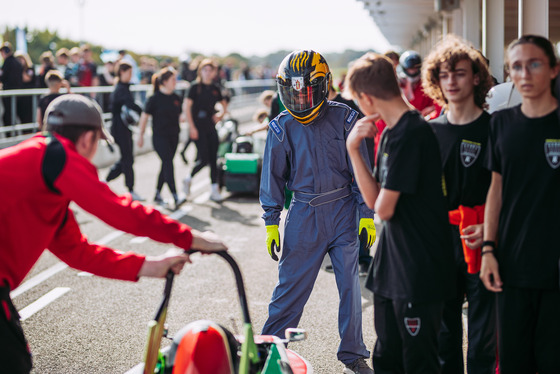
39, 178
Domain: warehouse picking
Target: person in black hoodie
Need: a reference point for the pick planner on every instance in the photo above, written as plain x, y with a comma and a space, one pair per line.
121, 99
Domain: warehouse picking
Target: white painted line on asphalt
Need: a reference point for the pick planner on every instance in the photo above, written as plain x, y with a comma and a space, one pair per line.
41, 277
42, 302
109, 237
138, 240
85, 274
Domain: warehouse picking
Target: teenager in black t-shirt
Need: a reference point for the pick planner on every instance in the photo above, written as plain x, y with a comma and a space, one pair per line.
520, 253
202, 116
412, 270
456, 76
164, 106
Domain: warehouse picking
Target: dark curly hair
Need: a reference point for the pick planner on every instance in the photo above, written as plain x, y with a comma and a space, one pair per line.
450, 51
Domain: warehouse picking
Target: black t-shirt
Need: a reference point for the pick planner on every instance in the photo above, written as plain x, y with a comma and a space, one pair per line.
463, 153
204, 97
526, 152
45, 101
414, 260
165, 111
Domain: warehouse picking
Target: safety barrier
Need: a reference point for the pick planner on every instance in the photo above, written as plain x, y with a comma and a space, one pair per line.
244, 95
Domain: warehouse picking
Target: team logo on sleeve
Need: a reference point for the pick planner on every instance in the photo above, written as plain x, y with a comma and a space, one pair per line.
469, 152
412, 325
552, 152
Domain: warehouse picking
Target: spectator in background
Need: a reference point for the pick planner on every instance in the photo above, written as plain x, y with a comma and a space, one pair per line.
124, 56
62, 60
71, 72
164, 106
11, 79
47, 64
393, 56
25, 103
87, 70
410, 64
107, 78
121, 99
55, 81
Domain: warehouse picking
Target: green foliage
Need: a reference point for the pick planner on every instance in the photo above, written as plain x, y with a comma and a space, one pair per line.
39, 41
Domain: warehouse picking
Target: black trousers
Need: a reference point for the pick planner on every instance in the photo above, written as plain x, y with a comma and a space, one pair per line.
207, 146
14, 352
123, 138
407, 336
482, 334
528, 331
165, 147
7, 117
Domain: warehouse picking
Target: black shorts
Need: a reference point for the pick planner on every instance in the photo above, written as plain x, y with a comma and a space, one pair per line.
14, 351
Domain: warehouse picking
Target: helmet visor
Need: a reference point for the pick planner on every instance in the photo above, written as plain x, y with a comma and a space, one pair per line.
299, 96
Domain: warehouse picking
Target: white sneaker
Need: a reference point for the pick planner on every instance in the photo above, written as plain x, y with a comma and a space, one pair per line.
187, 186
215, 194
136, 197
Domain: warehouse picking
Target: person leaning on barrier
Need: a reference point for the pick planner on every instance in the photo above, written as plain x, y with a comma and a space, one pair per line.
39, 178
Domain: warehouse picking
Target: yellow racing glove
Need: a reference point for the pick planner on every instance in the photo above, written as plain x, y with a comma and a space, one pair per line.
367, 232
273, 241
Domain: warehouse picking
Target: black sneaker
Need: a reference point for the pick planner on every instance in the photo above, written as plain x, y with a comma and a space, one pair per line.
159, 200
329, 268
180, 201
358, 366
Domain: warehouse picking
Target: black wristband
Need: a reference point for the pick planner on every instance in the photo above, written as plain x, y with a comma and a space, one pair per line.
489, 243
485, 252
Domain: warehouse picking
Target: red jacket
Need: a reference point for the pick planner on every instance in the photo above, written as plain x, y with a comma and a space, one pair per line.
33, 217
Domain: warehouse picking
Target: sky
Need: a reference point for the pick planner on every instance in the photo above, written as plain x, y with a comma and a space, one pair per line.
176, 27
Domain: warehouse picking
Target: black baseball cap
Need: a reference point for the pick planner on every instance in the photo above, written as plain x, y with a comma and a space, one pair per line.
75, 110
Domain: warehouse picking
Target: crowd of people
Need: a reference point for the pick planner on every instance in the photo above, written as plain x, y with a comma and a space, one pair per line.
467, 199
467, 203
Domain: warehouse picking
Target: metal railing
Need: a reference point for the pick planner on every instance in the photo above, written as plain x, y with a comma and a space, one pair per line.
244, 93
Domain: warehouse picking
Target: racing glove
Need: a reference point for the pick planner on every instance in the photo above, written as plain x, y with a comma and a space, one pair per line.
367, 232
273, 241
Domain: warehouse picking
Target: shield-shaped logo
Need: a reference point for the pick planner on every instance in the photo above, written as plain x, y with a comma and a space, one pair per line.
297, 83
412, 325
552, 152
469, 152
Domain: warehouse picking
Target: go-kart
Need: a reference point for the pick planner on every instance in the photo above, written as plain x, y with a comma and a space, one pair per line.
205, 347
239, 160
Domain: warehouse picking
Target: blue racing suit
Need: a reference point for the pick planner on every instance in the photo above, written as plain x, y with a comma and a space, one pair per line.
312, 161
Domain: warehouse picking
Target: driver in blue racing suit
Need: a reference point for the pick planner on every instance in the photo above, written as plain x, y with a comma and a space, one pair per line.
306, 152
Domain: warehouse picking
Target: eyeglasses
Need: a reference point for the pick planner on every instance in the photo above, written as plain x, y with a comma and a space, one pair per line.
531, 67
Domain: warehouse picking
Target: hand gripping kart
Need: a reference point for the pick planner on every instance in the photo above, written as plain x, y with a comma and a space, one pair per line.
205, 347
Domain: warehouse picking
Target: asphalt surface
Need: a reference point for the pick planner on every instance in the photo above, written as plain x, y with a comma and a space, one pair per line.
98, 325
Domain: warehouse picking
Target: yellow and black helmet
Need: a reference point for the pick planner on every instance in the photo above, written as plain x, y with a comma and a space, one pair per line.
303, 84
